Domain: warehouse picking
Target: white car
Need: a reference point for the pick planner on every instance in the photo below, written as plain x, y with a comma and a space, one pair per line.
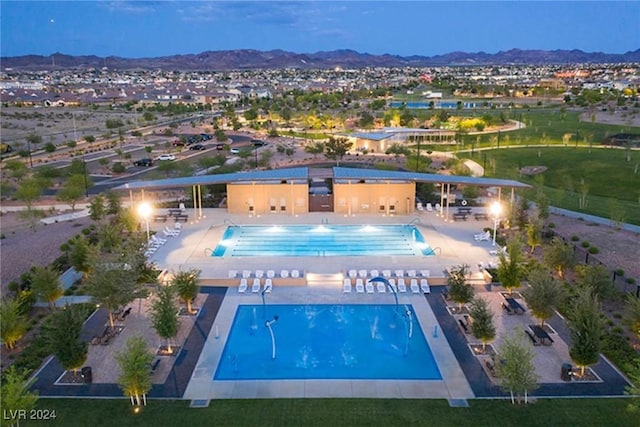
234, 150
166, 157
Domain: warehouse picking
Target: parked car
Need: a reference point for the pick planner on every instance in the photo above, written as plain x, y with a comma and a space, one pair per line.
258, 143
198, 147
235, 150
219, 147
205, 136
178, 143
166, 157
143, 162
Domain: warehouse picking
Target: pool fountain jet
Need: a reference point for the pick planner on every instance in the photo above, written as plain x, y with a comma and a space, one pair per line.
387, 284
268, 324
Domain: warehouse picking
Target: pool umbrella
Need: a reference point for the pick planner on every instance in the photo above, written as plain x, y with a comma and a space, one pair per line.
386, 283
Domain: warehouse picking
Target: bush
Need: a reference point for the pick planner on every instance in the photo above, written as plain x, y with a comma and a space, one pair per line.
585, 244
593, 250
551, 225
630, 281
49, 147
618, 350
13, 286
617, 330
86, 231
118, 168
575, 238
619, 272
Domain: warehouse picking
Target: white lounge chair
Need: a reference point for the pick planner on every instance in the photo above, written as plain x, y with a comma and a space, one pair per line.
157, 239
402, 287
268, 286
353, 274
392, 285
429, 207
259, 274
246, 273
482, 236
284, 273
420, 207
233, 274
271, 274
174, 231
295, 274
346, 286
242, 287
424, 286
177, 226
386, 273
425, 273
374, 273
359, 286
369, 287
411, 273
414, 286
399, 273
169, 233
362, 273
255, 288
382, 288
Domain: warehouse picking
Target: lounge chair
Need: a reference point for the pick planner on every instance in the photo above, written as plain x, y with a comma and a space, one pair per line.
438, 208
271, 274
382, 288
268, 286
392, 284
420, 207
402, 286
353, 274
362, 273
173, 232
233, 274
425, 273
246, 273
369, 287
242, 287
411, 273
346, 286
374, 273
386, 273
399, 273
295, 274
259, 274
284, 273
157, 239
168, 234
482, 236
424, 286
429, 207
256, 285
359, 286
414, 286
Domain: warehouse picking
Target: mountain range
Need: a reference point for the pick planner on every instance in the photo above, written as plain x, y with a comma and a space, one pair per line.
225, 60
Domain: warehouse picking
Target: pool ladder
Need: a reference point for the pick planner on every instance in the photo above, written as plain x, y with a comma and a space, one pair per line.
414, 221
228, 221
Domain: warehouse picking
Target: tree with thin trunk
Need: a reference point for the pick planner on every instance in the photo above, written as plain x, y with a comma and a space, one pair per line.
15, 394
81, 255
510, 268
62, 334
515, 368
30, 191
597, 278
559, 256
336, 148
186, 286
632, 314
587, 327
13, 324
97, 208
112, 285
460, 291
482, 326
164, 316
72, 191
135, 373
533, 230
543, 295
45, 284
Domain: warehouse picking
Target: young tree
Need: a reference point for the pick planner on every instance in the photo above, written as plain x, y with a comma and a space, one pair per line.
632, 314
597, 278
186, 286
45, 284
112, 285
82, 255
515, 368
336, 148
314, 148
62, 333
72, 190
633, 372
543, 295
585, 323
135, 375
460, 291
15, 394
29, 191
97, 208
533, 230
164, 316
114, 205
482, 327
510, 268
558, 256
13, 324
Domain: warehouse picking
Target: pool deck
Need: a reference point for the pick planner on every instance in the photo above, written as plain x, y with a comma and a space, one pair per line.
190, 376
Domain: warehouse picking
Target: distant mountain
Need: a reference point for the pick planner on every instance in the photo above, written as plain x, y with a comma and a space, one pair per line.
255, 59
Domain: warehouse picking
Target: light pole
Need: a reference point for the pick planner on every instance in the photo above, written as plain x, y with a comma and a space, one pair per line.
144, 210
496, 209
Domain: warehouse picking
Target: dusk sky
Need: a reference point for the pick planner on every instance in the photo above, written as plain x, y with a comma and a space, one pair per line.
158, 28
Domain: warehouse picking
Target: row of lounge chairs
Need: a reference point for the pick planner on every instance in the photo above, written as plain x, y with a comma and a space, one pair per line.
427, 207
363, 274
400, 287
155, 241
270, 274
256, 286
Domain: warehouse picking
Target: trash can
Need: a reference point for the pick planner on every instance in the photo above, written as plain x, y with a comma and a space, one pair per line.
86, 374
565, 373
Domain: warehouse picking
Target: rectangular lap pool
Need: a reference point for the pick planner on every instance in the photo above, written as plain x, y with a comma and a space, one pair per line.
322, 240
357, 341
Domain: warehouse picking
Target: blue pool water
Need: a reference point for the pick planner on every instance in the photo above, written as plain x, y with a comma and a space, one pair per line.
326, 342
325, 240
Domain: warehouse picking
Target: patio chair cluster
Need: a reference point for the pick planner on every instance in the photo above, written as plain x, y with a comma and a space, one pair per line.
256, 286
155, 242
482, 236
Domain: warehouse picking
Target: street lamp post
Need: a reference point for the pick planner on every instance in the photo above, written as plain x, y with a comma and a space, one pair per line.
144, 210
496, 209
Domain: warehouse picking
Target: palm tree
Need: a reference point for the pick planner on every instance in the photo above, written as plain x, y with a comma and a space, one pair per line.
186, 285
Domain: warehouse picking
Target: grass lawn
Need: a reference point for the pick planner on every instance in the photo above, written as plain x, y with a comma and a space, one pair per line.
611, 183
341, 412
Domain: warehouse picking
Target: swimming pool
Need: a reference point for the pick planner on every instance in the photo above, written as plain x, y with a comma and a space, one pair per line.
354, 341
322, 240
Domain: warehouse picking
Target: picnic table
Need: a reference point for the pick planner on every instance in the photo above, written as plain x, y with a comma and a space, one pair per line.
175, 212
459, 215
160, 218
541, 335
181, 218
514, 305
480, 215
464, 209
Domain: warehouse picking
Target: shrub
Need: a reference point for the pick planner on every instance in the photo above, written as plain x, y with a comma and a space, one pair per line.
118, 168
617, 330
65, 247
551, 225
617, 315
593, 250
620, 272
575, 238
13, 286
618, 350
630, 281
585, 244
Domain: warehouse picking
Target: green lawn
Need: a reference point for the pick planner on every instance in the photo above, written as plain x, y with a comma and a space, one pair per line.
341, 412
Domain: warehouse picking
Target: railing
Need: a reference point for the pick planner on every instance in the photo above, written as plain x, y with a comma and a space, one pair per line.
415, 221
437, 249
210, 252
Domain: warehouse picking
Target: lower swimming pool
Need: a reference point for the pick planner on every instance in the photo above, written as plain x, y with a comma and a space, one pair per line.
322, 240
356, 341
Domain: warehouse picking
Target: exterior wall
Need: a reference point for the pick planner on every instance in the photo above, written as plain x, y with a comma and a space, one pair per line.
288, 199
398, 198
